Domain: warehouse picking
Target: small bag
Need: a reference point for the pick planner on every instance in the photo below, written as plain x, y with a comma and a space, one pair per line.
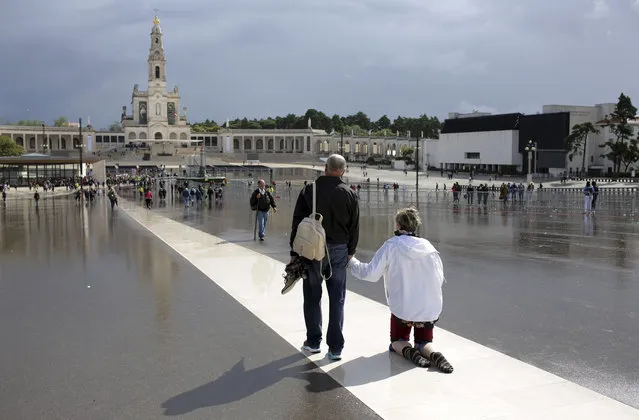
310, 239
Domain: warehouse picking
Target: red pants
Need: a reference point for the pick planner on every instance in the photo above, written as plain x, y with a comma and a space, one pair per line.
400, 330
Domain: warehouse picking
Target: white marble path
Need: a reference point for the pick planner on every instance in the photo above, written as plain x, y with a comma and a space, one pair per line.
486, 384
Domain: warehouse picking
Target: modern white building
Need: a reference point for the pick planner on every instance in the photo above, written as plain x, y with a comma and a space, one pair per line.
478, 142
497, 143
596, 114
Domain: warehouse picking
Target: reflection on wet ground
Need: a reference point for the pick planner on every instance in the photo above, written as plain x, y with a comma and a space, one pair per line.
539, 281
100, 320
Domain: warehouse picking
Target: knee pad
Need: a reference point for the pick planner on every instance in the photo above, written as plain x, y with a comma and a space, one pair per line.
390, 346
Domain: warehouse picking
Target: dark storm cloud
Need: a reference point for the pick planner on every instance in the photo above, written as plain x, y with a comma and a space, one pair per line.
257, 58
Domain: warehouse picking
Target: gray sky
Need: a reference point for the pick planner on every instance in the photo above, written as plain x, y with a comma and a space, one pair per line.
258, 58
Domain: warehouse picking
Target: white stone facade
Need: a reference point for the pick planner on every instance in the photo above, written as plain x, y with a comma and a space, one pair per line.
480, 149
593, 114
155, 116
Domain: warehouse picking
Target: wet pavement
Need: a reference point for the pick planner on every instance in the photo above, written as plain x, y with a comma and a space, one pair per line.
101, 320
538, 281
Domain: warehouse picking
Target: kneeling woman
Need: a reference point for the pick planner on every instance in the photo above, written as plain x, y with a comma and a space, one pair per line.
413, 277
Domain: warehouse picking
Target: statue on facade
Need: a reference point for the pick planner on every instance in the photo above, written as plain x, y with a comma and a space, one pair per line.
176, 90
309, 122
123, 111
136, 89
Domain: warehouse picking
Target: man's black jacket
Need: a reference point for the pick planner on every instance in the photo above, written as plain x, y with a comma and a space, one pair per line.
264, 203
337, 204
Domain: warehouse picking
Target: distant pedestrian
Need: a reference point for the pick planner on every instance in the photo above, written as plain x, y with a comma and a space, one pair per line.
595, 195
588, 191
148, 198
186, 195
113, 198
262, 201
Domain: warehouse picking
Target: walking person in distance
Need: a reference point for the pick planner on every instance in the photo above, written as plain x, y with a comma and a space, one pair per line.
588, 192
262, 201
337, 204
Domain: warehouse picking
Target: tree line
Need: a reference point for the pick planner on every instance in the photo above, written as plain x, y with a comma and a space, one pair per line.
358, 124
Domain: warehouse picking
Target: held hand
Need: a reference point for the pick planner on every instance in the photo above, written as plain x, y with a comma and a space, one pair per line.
258, 195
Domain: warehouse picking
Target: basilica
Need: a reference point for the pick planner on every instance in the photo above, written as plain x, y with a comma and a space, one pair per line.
158, 123
155, 112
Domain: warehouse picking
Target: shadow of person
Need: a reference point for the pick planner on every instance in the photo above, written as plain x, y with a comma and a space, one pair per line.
239, 383
365, 370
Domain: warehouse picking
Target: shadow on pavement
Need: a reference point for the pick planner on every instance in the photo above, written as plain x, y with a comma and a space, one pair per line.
239, 383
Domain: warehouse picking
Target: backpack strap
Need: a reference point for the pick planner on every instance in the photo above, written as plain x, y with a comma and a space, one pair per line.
314, 200
328, 257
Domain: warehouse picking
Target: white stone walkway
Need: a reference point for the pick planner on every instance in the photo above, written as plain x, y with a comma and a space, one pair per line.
486, 384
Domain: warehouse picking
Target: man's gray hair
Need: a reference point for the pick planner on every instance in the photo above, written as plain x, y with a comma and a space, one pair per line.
408, 219
335, 163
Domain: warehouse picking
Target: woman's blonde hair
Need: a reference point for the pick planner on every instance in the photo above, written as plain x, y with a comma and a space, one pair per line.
408, 219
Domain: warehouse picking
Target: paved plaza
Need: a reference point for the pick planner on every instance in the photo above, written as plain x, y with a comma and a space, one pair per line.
103, 320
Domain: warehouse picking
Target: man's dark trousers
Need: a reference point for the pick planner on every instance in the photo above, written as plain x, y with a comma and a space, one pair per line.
336, 286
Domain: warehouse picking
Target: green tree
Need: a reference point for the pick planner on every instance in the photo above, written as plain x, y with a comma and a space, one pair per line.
632, 154
384, 123
360, 119
338, 123
406, 151
29, 123
268, 123
621, 149
115, 126
60, 122
577, 141
319, 120
355, 130
9, 148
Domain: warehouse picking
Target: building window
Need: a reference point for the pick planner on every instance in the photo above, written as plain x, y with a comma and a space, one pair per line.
472, 155
157, 41
592, 159
120, 139
157, 72
308, 143
158, 109
98, 139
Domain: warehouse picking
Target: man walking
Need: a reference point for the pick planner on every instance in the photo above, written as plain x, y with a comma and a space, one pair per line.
262, 201
337, 203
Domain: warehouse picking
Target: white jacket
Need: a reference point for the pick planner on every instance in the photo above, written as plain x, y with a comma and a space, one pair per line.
413, 277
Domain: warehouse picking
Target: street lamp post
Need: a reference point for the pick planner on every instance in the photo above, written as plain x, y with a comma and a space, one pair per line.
530, 148
536, 155
80, 146
45, 143
417, 164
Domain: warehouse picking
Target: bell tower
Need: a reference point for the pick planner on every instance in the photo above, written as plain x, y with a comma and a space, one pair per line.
157, 60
